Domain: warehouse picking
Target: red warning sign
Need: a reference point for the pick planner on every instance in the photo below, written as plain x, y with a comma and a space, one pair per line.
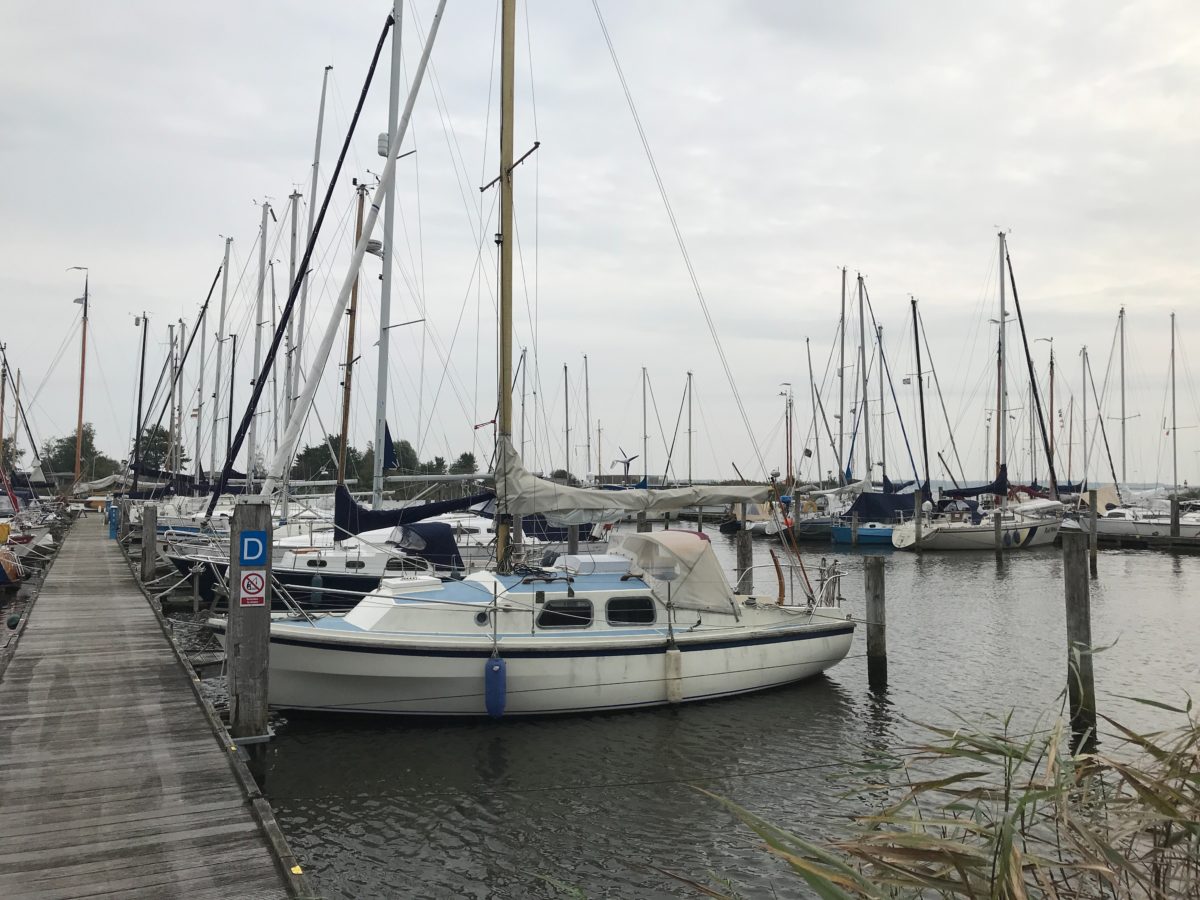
252, 590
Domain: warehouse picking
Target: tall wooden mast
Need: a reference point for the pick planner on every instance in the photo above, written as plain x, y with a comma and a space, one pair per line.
505, 238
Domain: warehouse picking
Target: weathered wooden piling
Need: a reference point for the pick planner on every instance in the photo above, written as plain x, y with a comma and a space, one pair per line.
1081, 686
1094, 531
996, 517
917, 523
853, 529
873, 579
572, 539
1174, 516
248, 632
123, 520
666, 521
745, 557
643, 523
149, 542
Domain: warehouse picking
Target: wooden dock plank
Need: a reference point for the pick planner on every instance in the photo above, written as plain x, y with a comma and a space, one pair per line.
115, 784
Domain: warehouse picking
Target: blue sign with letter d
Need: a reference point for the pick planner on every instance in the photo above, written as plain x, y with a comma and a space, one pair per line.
252, 548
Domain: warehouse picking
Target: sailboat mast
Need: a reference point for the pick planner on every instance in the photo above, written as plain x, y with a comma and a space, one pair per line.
301, 318
274, 371
199, 412
505, 237
167, 461
921, 395
252, 442
385, 287
1070, 435
645, 435
361, 190
232, 383
82, 371
179, 400
587, 416
522, 364
1121, 322
291, 363
841, 447
137, 433
1174, 429
566, 421
1001, 385
882, 430
862, 367
812, 390
221, 338
1084, 430
1051, 416
689, 428
3, 402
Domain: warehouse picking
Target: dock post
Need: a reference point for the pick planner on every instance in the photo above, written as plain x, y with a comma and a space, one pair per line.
1174, 516
917, 523
1081, 686
643, 524
700, 520
853, 529
149, 542
876, 622
248, 629
745, 558
1094, 533
572, 539
123, 521
666, 521
195, 593
996, 516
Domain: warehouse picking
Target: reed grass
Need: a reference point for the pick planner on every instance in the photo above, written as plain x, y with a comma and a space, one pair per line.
995, 815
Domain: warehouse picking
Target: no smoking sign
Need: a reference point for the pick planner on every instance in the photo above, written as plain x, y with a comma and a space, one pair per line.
252, 588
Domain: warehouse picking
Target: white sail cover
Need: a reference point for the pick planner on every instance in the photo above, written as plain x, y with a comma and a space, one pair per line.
521, 493
684, 561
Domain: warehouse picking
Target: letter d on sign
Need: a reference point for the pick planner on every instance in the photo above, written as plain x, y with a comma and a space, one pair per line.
252, 549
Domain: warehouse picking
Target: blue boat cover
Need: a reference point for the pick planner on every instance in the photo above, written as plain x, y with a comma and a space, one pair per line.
998, 487
349, 517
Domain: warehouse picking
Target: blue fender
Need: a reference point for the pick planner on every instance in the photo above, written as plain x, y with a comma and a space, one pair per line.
495, 686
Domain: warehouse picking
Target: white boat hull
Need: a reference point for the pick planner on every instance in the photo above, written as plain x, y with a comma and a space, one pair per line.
450, 682
1014, 535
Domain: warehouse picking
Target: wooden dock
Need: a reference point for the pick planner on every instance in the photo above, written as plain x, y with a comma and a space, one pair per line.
117, 780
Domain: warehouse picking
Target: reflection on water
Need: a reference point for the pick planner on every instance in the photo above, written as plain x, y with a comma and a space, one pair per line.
520, 808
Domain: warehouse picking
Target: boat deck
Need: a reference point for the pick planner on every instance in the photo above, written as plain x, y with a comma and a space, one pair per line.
116, 782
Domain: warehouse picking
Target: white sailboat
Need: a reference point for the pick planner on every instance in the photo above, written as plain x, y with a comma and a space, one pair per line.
654, 621
1032, 524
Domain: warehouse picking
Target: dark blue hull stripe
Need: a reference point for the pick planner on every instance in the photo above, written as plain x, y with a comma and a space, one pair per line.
486, 652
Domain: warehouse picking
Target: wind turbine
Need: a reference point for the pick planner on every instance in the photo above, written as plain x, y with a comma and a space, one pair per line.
624, 461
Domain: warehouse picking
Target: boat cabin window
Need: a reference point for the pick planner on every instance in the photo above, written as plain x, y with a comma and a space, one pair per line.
402, 564
565, 613
630, 611
466, 529
318, 563
355, 564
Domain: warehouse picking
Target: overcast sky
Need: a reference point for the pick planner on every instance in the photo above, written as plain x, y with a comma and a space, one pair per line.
792, 138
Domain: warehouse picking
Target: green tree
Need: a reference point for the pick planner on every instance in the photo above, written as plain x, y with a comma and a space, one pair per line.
11, 454
407, 461
58, 456
315, 462
436, 466
464, 465
154, 445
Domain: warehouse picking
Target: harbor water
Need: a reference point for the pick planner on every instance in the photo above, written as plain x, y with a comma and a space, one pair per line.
604, 805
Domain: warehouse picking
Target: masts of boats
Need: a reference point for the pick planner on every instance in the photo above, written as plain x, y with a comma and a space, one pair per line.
252, 440
862, 367
220, 341
82, 370
841, 416
385, 287
144, 322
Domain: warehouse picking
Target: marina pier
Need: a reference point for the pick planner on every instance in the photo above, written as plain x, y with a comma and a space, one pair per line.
119, 779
